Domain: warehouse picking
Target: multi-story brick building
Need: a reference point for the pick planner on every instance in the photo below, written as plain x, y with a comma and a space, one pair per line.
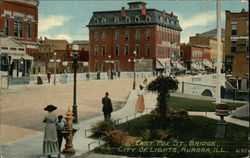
209, 39
19, 21
115, 35
196, 57
237, 47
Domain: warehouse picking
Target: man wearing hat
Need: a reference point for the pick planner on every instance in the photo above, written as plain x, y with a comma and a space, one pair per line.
107, 106
50, 140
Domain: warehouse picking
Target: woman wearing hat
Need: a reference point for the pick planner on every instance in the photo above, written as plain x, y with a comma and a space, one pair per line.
50, 141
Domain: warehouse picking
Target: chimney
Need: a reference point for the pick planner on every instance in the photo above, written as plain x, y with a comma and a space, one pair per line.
172, 13
143, 10
123, 13
164, 14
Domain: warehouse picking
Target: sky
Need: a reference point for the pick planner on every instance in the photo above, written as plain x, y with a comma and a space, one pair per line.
67, 19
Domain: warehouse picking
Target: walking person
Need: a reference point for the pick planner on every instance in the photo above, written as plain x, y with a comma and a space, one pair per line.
50, 140
107, 106
48, 76
60, 126
140, 105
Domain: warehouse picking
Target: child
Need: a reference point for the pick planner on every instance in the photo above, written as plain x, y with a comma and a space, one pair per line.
60, 125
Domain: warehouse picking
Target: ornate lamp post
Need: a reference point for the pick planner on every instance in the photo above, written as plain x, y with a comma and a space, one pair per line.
55, 61
134, 60
74, 56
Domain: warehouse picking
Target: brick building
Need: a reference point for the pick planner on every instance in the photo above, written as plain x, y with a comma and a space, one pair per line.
19, 21
115, 35
209, 39
237, 47
196, 57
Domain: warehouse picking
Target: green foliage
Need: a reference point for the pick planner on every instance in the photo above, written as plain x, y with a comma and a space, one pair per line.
174, 118
100, 128
162, 85
147, 135
163, 134
190, 104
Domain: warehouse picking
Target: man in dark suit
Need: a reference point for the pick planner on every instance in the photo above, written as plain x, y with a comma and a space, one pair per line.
107, 106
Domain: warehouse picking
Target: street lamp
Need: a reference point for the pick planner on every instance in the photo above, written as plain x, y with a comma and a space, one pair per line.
109, 76
74, 55
134, 60
54, 68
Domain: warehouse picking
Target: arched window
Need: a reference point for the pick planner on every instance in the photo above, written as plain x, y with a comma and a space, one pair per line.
95, 20
116, 20
127, 19
148, 18
137, 18
103, 20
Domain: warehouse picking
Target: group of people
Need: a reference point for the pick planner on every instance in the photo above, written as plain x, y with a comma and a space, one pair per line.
53, 134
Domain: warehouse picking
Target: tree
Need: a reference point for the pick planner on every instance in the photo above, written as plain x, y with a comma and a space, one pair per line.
162, 86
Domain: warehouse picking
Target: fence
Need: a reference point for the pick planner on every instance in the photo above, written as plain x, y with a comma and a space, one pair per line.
117, 121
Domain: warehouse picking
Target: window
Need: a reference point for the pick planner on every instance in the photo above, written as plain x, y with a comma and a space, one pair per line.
168, 36
12, 48
18, 27
103, 20
117, 50
234, 29
137, 35
103, 67
95, 20
103, 50
7, 25
103, 35
96, 66
233, 46
96, 36
126, 50
116, 20
147, 34
29, 28
126, 35
148, 18
127, 19
137, 49
148, 50
137, 18
96, 50
117, 35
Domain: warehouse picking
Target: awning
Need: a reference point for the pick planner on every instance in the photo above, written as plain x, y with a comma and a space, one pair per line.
15, 57
27, 57
162, 63
179, 66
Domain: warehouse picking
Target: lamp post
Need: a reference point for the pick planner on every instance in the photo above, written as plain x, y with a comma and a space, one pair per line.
109, 76
54, 68
134, 60
74, 55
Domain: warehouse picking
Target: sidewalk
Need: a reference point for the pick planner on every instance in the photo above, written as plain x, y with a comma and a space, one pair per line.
31, 147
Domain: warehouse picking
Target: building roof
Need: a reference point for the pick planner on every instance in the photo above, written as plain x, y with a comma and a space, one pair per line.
9, 42
213, 34
79, 42
152, 17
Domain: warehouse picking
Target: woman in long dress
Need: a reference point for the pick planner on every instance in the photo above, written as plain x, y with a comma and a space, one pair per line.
50, 140
140, 105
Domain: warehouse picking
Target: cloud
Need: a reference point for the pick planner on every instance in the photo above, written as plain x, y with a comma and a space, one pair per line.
201, 19
64, 36
52, 21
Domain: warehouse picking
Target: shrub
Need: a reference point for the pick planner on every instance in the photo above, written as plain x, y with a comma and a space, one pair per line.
163, 134
222, 106
100, 128
147, 135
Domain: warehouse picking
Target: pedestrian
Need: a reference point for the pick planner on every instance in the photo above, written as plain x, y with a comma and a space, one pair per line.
145, 82
119, 74
39, 79
50, 140
64, 77
140, 105
48, 76
107, 106
60, 126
